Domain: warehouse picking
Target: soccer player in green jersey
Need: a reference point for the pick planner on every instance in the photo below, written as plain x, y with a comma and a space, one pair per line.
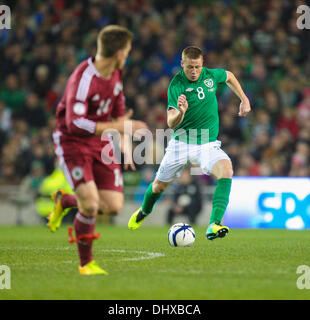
192, 113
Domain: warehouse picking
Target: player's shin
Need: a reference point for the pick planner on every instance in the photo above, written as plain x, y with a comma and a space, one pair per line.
220, 200
149, 201
84, 230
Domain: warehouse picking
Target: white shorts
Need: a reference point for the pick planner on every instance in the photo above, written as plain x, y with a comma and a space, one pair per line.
180, 155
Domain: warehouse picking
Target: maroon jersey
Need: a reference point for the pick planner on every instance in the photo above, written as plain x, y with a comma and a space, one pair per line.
88, 98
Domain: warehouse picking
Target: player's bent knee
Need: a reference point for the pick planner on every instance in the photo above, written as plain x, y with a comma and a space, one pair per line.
223, 169
227, 173
113, 213
111, 209
159, 187
90, 208
114, 210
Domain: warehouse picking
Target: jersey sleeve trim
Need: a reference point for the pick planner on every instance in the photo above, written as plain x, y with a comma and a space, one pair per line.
172, 107
85, 124
84, 84
226, 75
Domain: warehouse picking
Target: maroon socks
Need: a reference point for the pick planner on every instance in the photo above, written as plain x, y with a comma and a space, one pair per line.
68, 201
84, 230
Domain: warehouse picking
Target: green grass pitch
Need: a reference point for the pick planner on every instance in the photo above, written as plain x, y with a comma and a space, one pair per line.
247, 264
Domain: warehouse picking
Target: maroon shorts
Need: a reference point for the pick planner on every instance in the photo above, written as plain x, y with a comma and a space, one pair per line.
79, 167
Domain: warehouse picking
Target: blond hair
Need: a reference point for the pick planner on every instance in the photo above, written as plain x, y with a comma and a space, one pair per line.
192, 52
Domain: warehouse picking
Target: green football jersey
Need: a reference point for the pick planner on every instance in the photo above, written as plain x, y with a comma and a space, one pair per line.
201, 120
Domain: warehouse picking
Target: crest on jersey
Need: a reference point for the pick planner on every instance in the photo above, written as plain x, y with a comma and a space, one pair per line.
77, 173
79, 108
209, 83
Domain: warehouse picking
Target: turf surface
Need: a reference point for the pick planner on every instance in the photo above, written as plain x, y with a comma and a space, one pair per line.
247, 264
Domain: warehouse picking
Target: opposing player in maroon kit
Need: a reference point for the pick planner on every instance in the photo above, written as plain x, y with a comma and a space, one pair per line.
93, 97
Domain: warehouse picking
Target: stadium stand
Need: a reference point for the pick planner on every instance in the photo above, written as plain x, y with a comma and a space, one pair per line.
257, 40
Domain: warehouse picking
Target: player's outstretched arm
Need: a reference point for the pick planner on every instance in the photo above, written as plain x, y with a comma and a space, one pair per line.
235, 86
175, 117
119, 124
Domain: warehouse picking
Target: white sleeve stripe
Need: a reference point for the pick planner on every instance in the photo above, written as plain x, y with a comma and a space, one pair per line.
85, 124
84, 84
60, 154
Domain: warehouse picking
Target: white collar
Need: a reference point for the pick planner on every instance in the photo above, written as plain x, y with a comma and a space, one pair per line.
92, 66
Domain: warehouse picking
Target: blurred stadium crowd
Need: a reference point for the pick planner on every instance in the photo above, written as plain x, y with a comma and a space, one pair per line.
257, 40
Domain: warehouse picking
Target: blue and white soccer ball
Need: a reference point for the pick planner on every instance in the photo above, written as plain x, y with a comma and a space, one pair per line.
181, 235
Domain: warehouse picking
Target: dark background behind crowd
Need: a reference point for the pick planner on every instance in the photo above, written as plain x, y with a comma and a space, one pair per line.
257, 40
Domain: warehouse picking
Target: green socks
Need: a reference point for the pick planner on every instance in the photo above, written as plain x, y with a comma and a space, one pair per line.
220, 200
149, 200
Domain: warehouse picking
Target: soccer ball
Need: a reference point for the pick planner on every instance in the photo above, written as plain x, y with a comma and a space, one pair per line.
181, 235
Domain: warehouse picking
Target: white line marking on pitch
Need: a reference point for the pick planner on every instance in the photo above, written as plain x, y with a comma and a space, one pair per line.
146, 254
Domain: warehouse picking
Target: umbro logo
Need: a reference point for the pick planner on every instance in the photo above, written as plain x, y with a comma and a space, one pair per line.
189, 89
